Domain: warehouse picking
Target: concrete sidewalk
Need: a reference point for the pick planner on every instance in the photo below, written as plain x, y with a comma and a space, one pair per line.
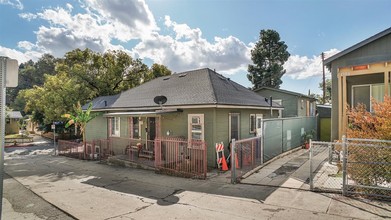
91, 190
291, 175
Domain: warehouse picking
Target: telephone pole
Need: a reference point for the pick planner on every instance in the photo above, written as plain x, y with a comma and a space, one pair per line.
324, 80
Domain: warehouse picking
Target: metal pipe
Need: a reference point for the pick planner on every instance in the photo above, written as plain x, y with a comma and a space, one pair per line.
344, 169
311, 168
233, 167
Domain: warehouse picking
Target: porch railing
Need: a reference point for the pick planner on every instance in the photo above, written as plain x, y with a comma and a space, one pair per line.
180, 157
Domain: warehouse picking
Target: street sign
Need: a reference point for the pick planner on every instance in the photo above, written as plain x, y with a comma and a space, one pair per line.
12, 73
53, 127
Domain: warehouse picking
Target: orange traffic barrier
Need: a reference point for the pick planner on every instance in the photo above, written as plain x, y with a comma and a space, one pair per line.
224, 166
236, 161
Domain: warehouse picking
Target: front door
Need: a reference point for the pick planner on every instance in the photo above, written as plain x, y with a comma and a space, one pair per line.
258, 125
151, 128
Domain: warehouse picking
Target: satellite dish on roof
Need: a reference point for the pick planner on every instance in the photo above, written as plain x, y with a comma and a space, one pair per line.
160, 100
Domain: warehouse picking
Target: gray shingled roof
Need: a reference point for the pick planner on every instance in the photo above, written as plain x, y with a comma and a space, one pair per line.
197, 87
328, 61
284, 91
14, 114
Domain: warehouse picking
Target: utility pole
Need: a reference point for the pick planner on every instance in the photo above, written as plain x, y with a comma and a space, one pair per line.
8, 78
324, 80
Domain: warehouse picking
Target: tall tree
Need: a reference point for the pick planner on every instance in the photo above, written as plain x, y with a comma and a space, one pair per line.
104, 74
31, 74
55, 97
268, 56
327, 92
157, 70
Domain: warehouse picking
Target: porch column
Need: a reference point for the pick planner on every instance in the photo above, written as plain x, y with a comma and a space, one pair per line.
339, 105
386, 82
345, 105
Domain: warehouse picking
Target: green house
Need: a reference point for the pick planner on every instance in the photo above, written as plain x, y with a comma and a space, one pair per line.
295, 104
11, 122
359, 73
193, 105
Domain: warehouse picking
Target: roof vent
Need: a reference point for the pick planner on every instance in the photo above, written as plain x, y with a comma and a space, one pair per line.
182, 75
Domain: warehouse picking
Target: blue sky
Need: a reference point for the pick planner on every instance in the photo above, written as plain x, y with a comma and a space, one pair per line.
191, 34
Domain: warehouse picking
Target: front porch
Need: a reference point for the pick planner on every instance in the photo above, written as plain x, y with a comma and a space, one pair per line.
359, 84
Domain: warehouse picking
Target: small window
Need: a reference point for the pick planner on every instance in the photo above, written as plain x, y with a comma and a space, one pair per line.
115, 126
278, 101
253, 121
196, 126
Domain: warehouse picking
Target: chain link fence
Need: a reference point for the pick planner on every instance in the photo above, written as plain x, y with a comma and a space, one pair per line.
368, 168
352, 167
326, 167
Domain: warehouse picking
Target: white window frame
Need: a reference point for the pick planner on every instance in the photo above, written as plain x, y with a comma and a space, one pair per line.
117, 126
253, 121
190, 125
279, 101
229, 125
259, 124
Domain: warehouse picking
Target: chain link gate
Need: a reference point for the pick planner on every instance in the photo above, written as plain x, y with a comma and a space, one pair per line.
326, 174
352, 167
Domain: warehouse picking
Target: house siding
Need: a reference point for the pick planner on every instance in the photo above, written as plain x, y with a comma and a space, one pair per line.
96, 128
291, 103
12, 127
216, 126
376, 51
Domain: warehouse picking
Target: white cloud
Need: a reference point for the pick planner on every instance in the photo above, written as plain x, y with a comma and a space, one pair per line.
95, 28
189, 50
18, 55
28, 16
14, 3
302, 67
100, 23
26, 45
133, 19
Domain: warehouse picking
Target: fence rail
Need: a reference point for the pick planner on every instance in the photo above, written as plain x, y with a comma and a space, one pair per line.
93, 150
180, 157
352, 167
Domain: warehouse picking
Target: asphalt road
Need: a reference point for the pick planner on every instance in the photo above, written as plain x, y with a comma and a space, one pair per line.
91, 190
20, 203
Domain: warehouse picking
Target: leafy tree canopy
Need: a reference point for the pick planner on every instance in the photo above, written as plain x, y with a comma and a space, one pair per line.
268, 56
104, 74
319, 97
79, 77
30, 74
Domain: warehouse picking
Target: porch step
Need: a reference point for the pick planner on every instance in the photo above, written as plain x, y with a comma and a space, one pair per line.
147, 154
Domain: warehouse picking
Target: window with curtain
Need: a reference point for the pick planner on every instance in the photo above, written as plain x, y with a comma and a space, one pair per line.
363, 93
196, 126
115, 126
